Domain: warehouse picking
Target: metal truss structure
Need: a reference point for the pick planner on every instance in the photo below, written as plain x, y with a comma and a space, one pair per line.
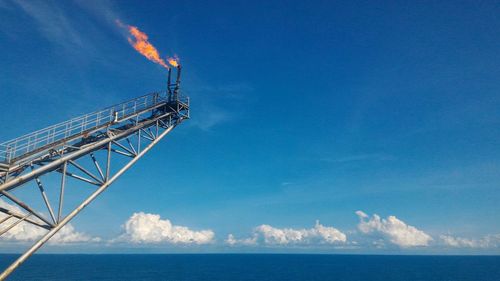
94, 150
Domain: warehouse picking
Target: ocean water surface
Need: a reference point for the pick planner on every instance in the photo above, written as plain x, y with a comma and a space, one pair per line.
262, 267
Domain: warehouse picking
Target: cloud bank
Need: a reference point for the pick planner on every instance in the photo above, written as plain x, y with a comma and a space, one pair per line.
245, 241
393, 229
270, 235
150, 228
489, 241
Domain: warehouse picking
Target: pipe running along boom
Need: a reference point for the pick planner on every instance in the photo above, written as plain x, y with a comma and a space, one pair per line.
94, 150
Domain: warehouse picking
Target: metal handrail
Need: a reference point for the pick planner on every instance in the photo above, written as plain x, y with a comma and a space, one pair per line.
28, 143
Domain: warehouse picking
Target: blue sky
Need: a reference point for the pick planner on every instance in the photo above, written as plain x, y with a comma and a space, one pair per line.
301, 111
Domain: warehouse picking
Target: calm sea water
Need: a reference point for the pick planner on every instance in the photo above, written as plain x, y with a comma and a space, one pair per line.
256, 267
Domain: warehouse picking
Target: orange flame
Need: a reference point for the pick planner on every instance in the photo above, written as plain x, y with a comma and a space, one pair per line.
173, 61
142, 45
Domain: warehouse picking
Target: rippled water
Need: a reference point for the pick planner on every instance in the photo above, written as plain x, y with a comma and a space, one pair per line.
256, 267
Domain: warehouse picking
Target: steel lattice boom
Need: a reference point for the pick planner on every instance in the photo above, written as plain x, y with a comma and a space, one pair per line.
120, 135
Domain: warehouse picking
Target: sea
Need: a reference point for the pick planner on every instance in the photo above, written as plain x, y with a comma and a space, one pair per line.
261, 267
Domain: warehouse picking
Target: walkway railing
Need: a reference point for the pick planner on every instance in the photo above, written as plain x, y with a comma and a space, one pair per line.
28, 143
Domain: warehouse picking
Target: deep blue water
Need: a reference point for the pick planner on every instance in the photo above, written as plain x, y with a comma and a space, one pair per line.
256, 267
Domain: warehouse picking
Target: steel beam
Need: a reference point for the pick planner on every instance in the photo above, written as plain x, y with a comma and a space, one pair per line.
77, 210
144, 125
54, 164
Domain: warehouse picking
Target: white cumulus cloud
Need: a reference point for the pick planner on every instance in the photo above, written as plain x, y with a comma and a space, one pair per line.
489, 241
26, 232
245, 241
393, 229
150, 228
283, 236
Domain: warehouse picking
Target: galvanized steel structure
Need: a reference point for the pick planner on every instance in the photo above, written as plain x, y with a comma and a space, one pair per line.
84, 149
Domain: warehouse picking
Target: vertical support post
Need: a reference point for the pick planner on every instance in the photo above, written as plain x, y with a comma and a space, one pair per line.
61, 194
168, 84
108, 162
139, 141
7, 154
177, 83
